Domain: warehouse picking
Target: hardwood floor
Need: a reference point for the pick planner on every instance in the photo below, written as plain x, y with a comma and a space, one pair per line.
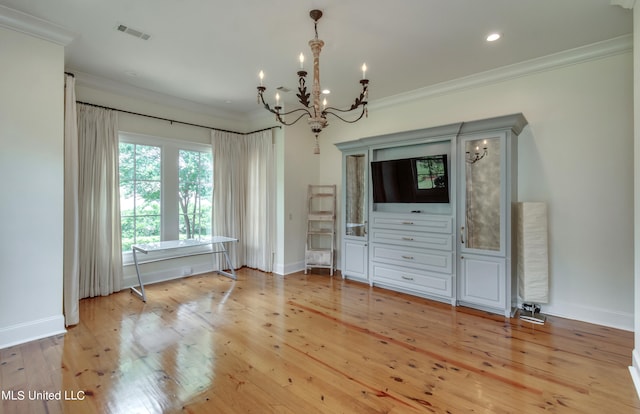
312, 344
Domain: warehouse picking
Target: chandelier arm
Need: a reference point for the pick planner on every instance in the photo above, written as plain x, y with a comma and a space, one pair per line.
359, 101
261, 100
328, 112
362, 99
283, 122
305, 110
363, 104
280, 114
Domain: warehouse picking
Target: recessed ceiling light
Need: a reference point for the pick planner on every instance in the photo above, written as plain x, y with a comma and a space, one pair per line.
326, 91
493, 37
131, 73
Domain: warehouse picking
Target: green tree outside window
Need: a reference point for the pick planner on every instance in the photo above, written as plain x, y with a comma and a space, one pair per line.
195, 189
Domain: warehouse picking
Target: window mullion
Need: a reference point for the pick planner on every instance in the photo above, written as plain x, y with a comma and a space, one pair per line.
170, 208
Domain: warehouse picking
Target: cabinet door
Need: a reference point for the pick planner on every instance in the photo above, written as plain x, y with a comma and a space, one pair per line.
355, 195
482, 196
483, 281
354, 263
355, 213
482, 214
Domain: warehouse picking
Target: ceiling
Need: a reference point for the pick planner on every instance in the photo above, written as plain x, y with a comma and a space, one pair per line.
210, 51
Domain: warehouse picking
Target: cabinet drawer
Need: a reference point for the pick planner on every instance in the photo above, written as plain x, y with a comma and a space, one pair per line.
412, 279
436, 241
430, 260
413, 222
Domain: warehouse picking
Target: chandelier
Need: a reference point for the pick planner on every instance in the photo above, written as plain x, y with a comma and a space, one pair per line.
477, 155
314, 110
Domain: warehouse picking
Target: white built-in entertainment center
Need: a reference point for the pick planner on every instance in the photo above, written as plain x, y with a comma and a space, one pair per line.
429, 212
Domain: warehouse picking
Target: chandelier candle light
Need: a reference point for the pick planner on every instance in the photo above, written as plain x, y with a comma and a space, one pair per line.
314, 110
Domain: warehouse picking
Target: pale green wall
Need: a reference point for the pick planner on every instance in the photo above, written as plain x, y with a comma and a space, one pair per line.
31, 187
635, 368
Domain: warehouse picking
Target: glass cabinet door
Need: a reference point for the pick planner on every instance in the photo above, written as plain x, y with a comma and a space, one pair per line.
355, 195
354, 238
483, 213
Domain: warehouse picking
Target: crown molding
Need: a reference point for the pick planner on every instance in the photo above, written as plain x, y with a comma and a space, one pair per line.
599, 50
120, 88
34, 26
625, 4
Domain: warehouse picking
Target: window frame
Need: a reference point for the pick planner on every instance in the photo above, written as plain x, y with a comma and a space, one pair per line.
169, 180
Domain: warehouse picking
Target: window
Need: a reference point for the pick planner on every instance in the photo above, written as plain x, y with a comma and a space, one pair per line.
140, 186
166, 189
195, 187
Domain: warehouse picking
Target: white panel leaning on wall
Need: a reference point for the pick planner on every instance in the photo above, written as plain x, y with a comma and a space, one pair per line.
532, 259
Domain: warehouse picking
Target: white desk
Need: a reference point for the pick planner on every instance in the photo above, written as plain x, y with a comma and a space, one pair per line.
217, 242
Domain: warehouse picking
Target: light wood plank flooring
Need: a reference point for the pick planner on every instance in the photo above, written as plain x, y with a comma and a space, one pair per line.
312, 344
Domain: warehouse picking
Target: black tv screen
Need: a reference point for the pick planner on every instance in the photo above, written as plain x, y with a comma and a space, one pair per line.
411, 180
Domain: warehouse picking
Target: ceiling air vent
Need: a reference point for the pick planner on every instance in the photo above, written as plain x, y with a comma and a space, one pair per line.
133, 32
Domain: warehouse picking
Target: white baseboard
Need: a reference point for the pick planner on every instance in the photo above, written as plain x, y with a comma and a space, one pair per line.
31, 331
634, 370
598, 316
289, 268
278, 269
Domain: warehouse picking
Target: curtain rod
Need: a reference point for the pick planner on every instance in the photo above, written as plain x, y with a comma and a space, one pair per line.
172, 120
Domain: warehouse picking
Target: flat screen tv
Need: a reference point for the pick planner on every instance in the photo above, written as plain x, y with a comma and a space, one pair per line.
411, 180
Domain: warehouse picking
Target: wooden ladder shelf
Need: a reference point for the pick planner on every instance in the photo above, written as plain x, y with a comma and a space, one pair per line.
320, 247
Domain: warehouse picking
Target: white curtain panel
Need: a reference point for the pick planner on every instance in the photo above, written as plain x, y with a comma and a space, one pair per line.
259, 231
71, 242
244, 195
100, 248
228, 190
